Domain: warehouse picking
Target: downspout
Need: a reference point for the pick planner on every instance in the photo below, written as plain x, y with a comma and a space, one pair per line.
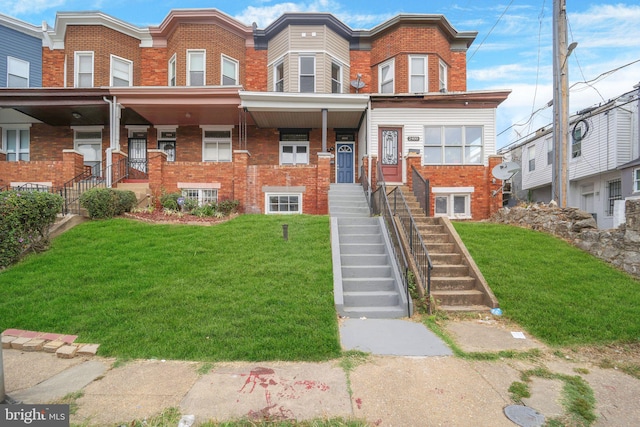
113, 138
368, 139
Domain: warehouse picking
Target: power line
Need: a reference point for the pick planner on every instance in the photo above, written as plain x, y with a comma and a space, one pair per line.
491, 30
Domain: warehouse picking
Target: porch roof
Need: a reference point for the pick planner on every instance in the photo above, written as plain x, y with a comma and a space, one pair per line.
304, 110
468, 99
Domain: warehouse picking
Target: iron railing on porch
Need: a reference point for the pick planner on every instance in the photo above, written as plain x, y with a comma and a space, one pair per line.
421, 191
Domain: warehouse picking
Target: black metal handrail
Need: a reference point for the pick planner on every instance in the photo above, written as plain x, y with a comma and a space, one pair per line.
380, 206
416, 244
421, 191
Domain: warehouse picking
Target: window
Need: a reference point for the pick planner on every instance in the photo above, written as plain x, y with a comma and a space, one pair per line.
636, 180
121, 71
278, 77
442, 76
576, 143
453, 202
531, 151
385, 77
307, 74
203, 196
216, 144
453, 145
195, 67
167, 142
294, 148
83, 69
614, 192
418, 74
336, 78
17, 72
229, 71
88, 141
283, 203
550, 151
172, 70
16, 144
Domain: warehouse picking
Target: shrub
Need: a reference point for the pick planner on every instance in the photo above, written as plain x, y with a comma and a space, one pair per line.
189, 205
170, 201
227, 207
25, 218
105, 203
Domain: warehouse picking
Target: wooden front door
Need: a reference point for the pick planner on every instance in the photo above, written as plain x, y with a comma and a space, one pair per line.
390, 153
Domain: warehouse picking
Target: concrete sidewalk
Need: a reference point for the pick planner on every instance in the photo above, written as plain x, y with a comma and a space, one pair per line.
386, 390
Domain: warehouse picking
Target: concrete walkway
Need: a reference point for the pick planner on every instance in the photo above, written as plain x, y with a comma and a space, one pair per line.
386, 390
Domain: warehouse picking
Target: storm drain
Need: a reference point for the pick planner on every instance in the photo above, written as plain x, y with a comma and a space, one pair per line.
524, 416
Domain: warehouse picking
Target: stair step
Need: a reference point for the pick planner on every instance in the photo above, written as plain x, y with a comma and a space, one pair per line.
367, 220
465, 308
449, 270
455, 297
376, 312
371, 298
444, 258
439, 248
435, 238
441, 283
359, 259
362, 249
370, 284
360, 238
366, 271
359, 229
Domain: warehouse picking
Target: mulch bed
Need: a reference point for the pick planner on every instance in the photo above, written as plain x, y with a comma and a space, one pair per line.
159, 217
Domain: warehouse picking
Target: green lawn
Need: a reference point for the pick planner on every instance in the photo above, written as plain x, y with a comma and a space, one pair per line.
234, 291
557, 292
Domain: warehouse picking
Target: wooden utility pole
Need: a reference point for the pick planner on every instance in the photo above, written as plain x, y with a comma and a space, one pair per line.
561, 152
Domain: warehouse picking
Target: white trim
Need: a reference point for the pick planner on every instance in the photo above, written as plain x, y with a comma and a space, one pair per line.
294, 144
236, 77
450, 205
443, 66
173, 60
300, 75
635, 180
453, 189
392, 65
229, 129
267, 205
76, 65
5, 139
87, 128
204, 65
340, 78
200, 185
425, 75
19, 62
128, 62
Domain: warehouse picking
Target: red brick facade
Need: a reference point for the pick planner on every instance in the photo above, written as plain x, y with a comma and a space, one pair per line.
53, 67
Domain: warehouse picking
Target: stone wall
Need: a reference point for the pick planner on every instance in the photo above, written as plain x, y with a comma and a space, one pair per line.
620, 247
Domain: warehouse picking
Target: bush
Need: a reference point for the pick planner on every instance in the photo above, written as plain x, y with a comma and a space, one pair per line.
170, 201
25, 218
105, 203
227, 207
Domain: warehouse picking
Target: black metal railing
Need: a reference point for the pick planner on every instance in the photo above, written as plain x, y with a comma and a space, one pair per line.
417, 248
421, 191
380, 206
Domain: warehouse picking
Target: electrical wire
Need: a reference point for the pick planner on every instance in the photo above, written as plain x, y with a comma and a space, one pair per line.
575, 56
535, 91
490, 31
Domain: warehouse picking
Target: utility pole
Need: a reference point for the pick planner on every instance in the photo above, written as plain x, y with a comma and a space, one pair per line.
561, 152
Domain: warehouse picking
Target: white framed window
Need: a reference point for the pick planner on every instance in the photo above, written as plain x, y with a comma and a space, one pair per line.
283, 203
15, 143
442, 76
531, 152
172, 71
87, 140
216, 143
549, 143
386, 77
278, 77
453, 145
17, 72
229, 73
453, 202
121, 71
636, 180
336, 78
203, 196
196, 68
614, 192
294, 148
418, 82
83, 69
307, 67
576, 143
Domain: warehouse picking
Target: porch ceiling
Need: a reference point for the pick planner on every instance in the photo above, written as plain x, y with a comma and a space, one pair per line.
304, 110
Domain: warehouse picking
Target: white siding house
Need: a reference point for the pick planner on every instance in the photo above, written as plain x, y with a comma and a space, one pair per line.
601, 140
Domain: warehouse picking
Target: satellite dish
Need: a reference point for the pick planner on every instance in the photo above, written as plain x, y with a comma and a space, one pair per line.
505, 170
358, 84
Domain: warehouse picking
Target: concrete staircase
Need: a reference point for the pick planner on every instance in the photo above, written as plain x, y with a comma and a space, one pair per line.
366, 281
457, 285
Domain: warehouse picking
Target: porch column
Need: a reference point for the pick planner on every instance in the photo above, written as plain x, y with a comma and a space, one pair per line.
3, 156
324, 130
72, 166
413, 160
119, 168
240, 164
157, 159
323, 181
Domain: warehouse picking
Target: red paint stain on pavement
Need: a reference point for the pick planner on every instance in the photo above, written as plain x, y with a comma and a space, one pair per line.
359, 403
258, 376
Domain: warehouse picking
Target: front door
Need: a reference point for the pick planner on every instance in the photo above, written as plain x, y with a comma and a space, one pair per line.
345, 163
138, 154
389, 153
